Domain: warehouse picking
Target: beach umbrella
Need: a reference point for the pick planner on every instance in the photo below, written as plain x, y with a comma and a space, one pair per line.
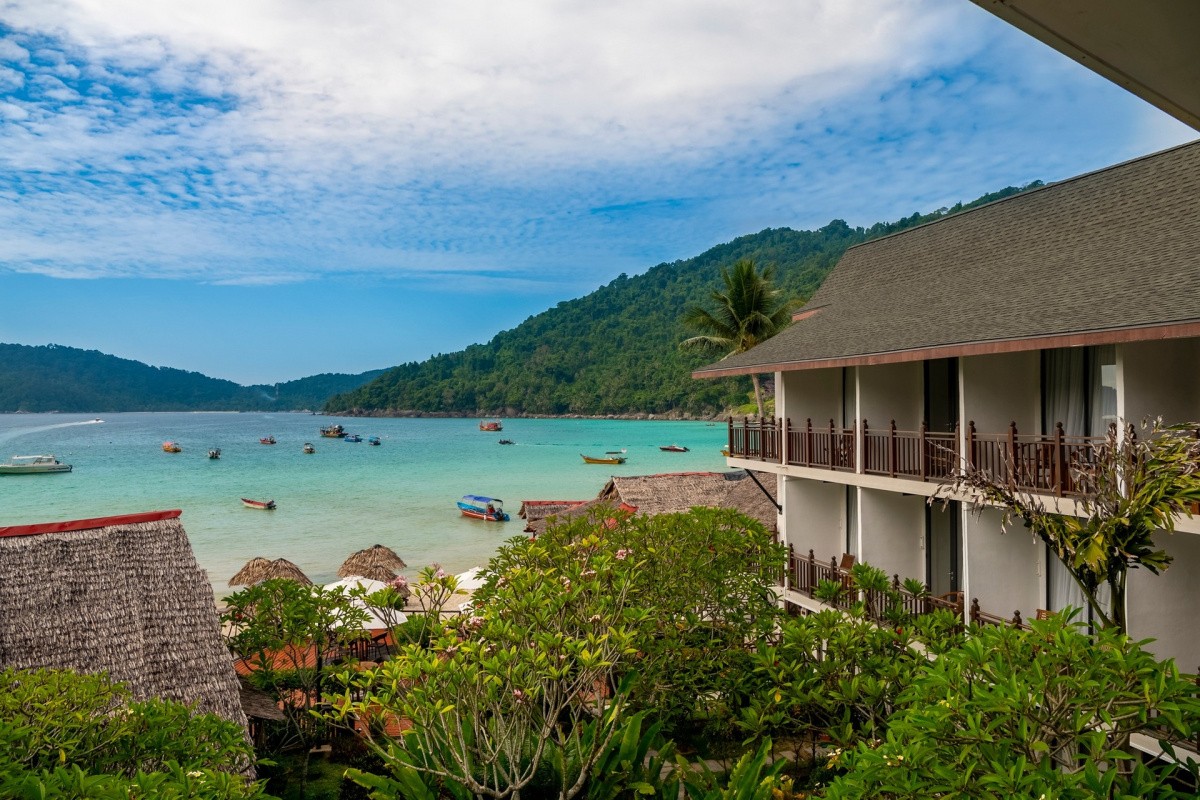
374, 619
261, 569
377, 563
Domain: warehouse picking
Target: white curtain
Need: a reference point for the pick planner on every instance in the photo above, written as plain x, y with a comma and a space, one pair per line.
852, 521
1065, 396
1102, 368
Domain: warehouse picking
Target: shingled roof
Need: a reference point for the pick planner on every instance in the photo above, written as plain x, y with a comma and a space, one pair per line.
1110, 256
122, 595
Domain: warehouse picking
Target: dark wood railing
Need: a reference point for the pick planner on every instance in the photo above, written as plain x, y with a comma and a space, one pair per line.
1032, 462
825, 446
759, 440
806, 572
922, 454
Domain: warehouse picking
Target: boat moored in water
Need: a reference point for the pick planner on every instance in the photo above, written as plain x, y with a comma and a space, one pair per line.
333, 431
308, 448
33, 465
673, 448
490, 425
214, 453
352, 437
507, 441
374, 440
171, 447
261, 505
267, 440
608, 459
489, 509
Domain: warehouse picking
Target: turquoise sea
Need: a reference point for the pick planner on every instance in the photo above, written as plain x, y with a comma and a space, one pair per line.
341, 499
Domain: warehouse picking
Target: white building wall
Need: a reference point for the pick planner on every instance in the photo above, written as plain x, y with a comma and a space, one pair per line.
892, 391
1159, 379
816, 517
812, 393
1164, 607
893, 532
1004, 570
1003, 388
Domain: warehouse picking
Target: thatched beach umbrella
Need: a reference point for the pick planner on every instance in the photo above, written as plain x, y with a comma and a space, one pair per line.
378, 563
261, 569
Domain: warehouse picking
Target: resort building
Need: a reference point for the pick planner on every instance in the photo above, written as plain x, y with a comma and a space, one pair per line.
1009, 336
122, 595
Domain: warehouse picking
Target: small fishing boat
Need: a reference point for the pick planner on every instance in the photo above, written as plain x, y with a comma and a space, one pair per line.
489, 509
607, 459
333, 431
725, 451
374, 440
33, 465
490, 425
261, 505
673, 448
267, 440
507, 441
171, 447
308, 448
214, 453
351, 437
620, 452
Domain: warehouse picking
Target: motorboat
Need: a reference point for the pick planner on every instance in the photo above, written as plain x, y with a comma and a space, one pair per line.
374, 441
606, 459
351, 437
489, 509
490, 425
214, 453
308, 448
507, 441
33, 465
333, 431
261, 505
673, 448
267, 440
171, 447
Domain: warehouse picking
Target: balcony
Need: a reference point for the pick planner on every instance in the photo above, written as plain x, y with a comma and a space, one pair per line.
1030, 462
804, 573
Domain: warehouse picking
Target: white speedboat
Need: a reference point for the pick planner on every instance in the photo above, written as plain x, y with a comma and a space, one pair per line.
31, 465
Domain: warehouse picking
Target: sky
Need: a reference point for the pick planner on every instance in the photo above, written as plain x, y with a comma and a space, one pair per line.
261, 191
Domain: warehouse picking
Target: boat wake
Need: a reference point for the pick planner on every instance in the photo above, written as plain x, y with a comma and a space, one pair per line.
8, 436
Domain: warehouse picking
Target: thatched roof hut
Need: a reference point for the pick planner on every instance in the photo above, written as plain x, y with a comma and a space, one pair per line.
259, 569
378, 563
119, 594
533, 511
672, 492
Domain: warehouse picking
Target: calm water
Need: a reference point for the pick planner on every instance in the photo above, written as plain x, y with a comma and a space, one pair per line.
342, 498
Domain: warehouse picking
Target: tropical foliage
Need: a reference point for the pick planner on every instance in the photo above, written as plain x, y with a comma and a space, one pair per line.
64, 734
748, 311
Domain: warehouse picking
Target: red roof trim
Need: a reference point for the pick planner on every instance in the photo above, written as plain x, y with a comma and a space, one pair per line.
87, 524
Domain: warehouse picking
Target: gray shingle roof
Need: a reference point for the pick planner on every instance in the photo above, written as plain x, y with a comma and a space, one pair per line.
1111, 250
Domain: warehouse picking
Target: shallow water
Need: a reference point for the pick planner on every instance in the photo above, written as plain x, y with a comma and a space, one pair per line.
344, 497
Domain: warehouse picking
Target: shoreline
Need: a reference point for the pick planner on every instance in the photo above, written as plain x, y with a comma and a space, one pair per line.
641, 416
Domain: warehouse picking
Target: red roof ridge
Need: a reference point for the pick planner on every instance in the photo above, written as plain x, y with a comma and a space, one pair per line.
87, 524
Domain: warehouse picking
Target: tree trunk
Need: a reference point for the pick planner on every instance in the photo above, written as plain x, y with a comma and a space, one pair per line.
758, 395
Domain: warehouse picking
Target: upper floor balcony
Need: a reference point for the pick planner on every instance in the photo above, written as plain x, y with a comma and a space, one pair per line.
1032, 462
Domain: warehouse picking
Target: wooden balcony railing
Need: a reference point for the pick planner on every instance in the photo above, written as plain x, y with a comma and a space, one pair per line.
1043, 464
920, 454
827, 447
757, 440
805, 573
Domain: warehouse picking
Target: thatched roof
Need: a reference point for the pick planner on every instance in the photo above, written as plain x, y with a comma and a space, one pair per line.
378, 563
673, 492
256, 703
259, 569
533, 511
119, 594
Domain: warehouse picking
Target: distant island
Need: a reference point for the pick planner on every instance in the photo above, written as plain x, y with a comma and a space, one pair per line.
613, 352
67, 379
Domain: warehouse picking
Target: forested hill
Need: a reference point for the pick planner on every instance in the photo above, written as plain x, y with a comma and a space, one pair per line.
57, 378
615, 351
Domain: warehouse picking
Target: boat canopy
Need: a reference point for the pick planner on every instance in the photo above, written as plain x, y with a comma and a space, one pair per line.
481, 500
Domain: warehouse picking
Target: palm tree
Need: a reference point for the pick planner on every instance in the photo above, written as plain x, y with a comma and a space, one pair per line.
749, 311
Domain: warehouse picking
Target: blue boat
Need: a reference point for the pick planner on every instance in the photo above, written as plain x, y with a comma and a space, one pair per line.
374, 440
489, 509
352, 437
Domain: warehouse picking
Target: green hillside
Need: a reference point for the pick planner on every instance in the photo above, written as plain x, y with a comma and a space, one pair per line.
615, 350
57, 378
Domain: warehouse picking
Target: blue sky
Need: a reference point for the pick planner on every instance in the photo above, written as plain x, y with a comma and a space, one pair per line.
263, 191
